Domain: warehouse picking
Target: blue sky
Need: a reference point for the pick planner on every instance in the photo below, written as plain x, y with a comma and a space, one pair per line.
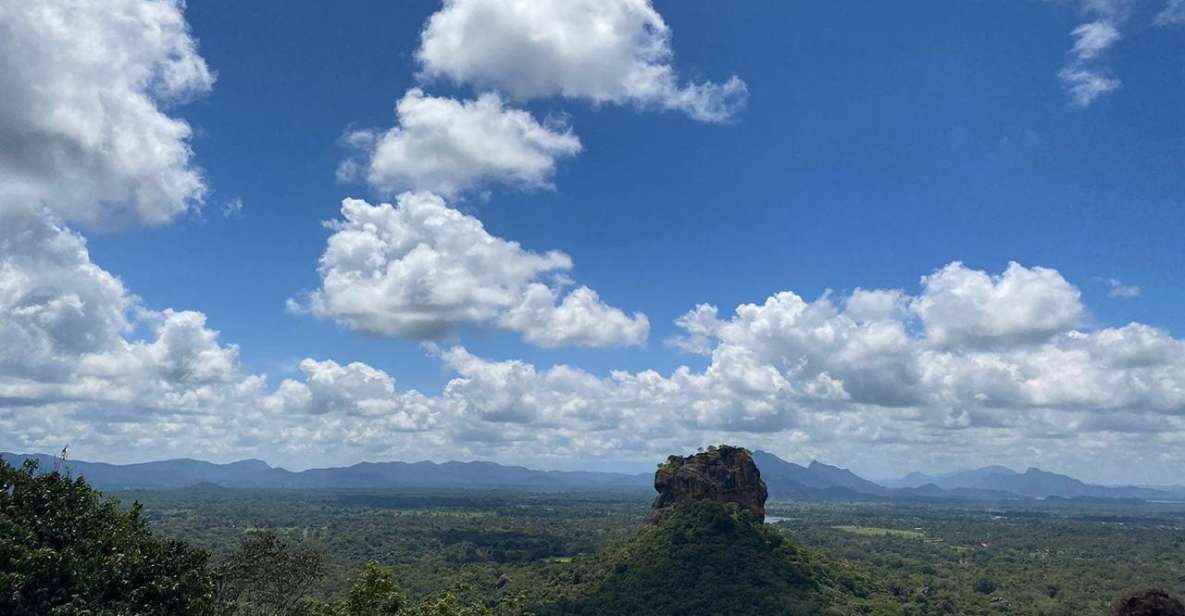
876, 144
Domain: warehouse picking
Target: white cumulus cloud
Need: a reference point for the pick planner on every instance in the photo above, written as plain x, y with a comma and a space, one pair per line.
83, 128
581, 318
605, 51
876, 376
83, 361
962, 306
69, 331
421, 269
448, 147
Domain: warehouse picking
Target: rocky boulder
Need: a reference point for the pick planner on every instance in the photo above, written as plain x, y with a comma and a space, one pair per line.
1148, 602
723, 474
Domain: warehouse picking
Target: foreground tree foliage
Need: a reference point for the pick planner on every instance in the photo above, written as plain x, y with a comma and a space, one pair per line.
65, 550
267, 577
375, 593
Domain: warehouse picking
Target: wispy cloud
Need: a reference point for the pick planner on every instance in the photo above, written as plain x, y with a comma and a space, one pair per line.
1120, 290
1093, 38
233, 208
1173, 14
1085, 78
1085, 85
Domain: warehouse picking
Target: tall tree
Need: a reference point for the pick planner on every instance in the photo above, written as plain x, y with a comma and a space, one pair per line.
65, 550
268, 577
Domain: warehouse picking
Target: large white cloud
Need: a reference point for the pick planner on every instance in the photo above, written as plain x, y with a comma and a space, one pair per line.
69, 327
356, 390
71, 332
605, 51
421, 269
988, 345
961, 306
83, 361
55, 303
82, 125
873, 378
581, 318
843, 377
448, 146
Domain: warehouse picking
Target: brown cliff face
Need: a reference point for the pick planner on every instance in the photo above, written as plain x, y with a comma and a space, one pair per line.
723, 474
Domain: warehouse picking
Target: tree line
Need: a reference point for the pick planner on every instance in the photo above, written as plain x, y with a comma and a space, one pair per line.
65, 550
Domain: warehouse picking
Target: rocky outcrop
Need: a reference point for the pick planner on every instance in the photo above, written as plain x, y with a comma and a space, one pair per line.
1149, 602
723, 474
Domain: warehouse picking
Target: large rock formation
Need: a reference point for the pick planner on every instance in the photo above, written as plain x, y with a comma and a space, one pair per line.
724, 474
1148, 602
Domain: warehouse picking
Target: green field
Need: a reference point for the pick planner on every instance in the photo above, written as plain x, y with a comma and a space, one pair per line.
875, 531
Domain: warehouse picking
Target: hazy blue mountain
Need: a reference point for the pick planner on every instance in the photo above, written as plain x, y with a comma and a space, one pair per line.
912, 480
467, 474
961, 479
162, 474
258, 474
1033, 483
930, 491
785, 480
834, 476
788, 481
1036, 483
1177, 492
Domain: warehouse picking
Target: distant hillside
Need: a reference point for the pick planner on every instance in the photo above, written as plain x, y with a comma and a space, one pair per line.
257, 474
788, 478
1034, 483
162, 474
785, 480
962, 479
790, 481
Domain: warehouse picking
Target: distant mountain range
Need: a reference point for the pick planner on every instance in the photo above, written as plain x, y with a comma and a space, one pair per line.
785, 480
826, 482
1033, 483
258, 474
